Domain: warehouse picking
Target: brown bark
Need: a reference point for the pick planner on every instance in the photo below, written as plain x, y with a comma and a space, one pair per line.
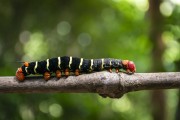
106, 84
158, 100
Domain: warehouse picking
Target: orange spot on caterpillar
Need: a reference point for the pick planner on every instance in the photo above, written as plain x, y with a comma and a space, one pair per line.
47, 75
26, 64
125, 62
19, 74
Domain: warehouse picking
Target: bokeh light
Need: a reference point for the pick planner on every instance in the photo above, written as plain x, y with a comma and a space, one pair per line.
55, 110
166, 8
36, 47
26, 113
63, 28
84, 39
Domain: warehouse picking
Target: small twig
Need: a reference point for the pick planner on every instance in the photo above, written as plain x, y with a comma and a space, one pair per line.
107, 84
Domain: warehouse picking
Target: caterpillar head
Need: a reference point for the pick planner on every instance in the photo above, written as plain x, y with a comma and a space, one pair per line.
20, 75
129, 66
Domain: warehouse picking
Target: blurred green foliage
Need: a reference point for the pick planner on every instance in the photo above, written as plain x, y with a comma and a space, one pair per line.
35, 30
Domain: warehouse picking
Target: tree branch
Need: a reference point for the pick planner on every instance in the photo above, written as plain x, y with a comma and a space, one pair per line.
106, 84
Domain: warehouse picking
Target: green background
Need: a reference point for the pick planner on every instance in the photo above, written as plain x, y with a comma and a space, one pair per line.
36, 30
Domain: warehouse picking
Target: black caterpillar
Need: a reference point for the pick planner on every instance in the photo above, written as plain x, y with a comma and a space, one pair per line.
72, 64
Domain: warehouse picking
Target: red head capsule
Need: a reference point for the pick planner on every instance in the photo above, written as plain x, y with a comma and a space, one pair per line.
129, 66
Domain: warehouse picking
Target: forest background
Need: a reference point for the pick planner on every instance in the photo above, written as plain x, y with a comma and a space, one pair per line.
147, 32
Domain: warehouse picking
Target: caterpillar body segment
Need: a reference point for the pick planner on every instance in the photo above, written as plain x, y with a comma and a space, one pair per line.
70, 64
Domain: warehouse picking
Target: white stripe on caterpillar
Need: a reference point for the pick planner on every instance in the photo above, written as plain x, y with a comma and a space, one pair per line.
59, 62
81, 62
35, 67
70, 61
47, 64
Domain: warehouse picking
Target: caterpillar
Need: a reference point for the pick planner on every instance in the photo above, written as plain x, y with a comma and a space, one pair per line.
67, 64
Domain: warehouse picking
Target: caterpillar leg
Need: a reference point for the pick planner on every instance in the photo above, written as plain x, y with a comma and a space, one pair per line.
47, 75
19, 74
77, 71
128, 71
117, 70
58, 74
67, 72
110, 70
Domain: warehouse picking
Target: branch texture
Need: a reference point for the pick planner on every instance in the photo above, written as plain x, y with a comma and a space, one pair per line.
106, 84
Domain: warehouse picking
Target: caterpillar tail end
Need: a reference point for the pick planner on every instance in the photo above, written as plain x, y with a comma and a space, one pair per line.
19, 74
